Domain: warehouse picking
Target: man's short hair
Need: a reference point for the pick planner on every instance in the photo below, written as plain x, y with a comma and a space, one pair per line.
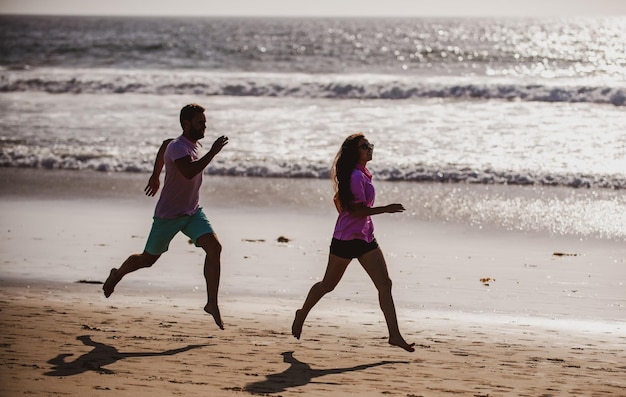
189, 111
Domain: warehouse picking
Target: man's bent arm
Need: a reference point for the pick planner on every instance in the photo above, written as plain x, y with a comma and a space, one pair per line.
190, 168
159, 161
154, 183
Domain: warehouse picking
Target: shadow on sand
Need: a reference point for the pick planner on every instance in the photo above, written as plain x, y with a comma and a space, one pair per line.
300, 374
101, 356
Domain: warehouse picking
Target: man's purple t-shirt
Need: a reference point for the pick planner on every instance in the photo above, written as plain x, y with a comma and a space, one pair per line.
180, 196
349, 227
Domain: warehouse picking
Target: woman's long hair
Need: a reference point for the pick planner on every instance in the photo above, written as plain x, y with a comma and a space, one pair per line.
345, 162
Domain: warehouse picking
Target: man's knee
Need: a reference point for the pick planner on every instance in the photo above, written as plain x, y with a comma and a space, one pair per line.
146, 259
210, 244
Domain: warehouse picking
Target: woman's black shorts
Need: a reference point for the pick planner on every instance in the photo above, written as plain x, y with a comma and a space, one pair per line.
350, 249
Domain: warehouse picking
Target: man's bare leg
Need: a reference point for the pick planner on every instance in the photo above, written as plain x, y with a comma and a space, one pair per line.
134, 262
212, 270
214, 311
110, 283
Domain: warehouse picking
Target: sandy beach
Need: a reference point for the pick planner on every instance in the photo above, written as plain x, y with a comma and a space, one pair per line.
492, 312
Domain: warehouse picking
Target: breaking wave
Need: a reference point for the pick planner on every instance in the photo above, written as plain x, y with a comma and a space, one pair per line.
357, 86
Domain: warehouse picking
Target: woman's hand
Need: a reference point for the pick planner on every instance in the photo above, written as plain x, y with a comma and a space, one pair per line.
360, 210
392, 208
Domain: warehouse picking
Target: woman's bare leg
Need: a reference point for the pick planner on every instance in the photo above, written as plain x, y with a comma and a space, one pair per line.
374, 264
334, 271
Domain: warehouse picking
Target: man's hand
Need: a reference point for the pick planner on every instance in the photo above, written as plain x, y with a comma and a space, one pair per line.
153, 186
218, 145
189, 168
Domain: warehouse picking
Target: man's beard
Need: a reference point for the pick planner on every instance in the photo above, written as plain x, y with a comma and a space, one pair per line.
196, 134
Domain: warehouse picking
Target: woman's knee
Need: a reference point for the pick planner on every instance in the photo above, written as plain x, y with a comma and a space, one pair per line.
384, 285
326, 286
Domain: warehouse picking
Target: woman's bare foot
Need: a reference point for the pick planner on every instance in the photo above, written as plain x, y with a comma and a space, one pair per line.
215, 312
400, 342
111, 282
296, 327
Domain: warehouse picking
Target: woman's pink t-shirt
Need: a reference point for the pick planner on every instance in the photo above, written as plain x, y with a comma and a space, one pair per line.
349, 227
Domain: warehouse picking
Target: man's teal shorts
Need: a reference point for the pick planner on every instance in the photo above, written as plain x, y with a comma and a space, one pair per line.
163, 231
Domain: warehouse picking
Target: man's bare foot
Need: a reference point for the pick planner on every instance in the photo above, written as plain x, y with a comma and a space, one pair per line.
400, 342
111, 282
215, 312
296, 327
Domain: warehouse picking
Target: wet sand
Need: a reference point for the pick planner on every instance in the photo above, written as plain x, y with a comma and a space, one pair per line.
544, 324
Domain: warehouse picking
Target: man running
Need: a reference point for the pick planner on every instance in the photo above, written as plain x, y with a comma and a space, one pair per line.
178, 208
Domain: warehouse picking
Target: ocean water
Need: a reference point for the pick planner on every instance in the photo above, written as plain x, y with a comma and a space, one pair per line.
535, 103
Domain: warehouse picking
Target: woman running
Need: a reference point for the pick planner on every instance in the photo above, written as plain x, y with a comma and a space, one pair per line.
354, 235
